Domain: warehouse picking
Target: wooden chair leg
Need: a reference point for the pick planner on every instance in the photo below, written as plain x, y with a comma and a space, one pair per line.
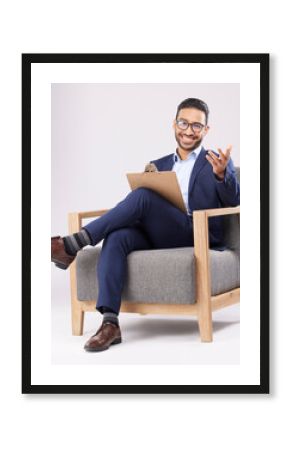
202, 275
77, 320
205, 324
74, 222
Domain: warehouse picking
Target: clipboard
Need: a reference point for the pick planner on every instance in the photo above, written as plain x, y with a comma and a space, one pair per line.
165, 183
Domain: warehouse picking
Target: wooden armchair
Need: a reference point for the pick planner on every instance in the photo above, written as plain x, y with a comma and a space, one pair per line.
205, 294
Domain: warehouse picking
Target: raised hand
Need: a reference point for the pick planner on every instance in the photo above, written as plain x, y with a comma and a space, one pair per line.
219, 163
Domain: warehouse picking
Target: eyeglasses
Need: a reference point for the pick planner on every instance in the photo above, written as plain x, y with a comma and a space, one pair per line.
195, 126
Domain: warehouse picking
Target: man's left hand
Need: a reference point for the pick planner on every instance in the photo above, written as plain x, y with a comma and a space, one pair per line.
219, 163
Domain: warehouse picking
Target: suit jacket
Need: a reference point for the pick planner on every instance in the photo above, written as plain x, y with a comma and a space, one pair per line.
205, 191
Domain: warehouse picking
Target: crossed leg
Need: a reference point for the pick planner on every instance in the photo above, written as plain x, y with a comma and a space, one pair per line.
143, 220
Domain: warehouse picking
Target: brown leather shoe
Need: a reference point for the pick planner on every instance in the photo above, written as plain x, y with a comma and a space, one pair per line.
108, 334
58, 253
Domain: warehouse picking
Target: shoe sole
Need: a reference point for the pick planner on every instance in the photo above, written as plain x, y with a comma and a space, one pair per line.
117, 341
60, 265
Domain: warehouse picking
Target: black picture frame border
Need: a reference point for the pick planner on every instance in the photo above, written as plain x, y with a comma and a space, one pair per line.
261, 58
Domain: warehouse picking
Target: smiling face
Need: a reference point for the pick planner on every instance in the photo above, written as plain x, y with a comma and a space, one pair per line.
188, 139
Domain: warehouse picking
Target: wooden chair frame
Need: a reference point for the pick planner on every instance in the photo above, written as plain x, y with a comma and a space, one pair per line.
205, 303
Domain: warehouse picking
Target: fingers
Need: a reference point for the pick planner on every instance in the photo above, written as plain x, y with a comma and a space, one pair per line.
225, 156
213, 156
228, 151
219, 162
212, 159
222, 155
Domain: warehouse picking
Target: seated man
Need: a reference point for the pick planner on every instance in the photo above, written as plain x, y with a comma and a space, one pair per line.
145, 220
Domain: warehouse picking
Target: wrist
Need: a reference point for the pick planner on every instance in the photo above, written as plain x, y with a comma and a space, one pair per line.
220, 176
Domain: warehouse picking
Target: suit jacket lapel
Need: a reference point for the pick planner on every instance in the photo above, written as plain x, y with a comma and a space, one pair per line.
168, 163
200, 162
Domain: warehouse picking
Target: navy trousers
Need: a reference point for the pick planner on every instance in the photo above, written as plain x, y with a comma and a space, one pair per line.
143, 220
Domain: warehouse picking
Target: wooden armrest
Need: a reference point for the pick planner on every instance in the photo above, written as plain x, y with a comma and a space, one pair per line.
218, 211
200, 227
75, 219
87, 214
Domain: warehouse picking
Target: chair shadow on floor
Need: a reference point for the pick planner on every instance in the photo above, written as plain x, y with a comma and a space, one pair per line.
144, 329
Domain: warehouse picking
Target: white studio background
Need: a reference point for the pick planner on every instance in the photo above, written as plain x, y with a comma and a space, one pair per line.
165, 27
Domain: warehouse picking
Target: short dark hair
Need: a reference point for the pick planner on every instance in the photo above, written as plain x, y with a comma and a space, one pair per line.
194, 103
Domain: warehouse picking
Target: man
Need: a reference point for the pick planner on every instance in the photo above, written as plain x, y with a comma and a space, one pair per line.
145, 220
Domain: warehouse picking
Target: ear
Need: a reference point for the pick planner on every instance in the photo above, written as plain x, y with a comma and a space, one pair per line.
206, 130
174, 124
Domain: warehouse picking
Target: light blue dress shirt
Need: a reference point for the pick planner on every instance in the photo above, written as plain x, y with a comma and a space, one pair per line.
183, 169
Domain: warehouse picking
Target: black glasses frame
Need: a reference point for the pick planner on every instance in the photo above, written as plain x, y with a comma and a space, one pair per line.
198, 129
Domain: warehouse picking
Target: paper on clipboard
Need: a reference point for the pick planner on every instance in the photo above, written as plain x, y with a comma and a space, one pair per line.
164, 183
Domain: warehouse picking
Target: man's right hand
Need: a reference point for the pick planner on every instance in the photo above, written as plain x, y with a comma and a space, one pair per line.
150, 167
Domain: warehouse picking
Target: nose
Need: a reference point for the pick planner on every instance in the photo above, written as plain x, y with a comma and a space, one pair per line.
189, 131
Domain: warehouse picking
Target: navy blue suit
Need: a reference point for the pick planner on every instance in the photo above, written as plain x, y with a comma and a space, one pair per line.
145, 220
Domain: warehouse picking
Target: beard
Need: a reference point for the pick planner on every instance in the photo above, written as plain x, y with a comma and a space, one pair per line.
188, 146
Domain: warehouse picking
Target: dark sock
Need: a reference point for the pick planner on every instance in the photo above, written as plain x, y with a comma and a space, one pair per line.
75, 242
109, 316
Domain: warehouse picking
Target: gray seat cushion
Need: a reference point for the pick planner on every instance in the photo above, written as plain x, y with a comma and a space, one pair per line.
160, 276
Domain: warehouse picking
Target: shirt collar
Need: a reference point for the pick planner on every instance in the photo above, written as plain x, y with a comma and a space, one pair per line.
194, 154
